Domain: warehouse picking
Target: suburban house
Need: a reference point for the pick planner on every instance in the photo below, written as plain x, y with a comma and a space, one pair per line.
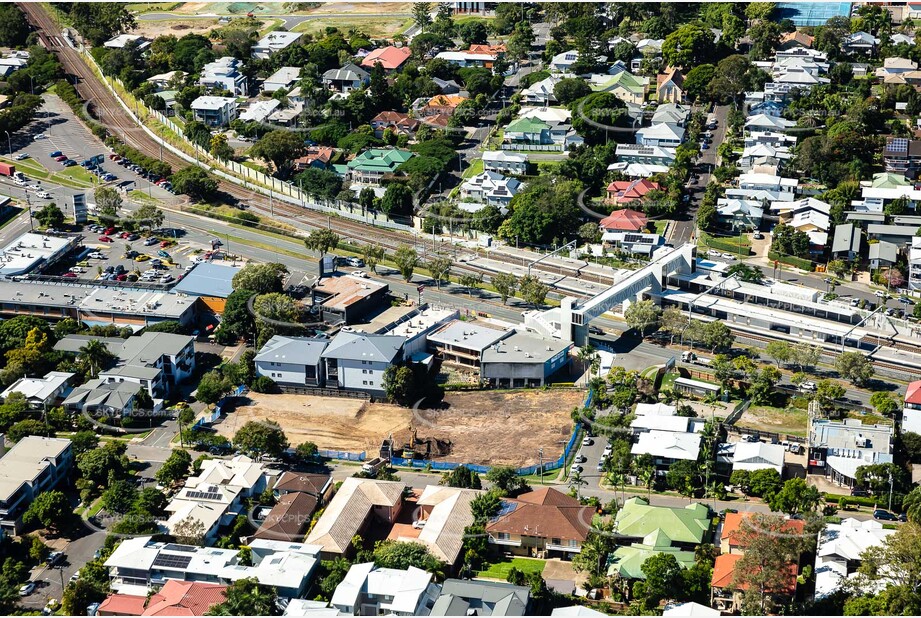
397, 122
562, 62
215, 111
543, 522
357, 503
491, 188
769, 108
528, 131
43, 392
685, 527
123, 41
624, 220
390, 58
732, 536
895, 66
764, 154
441, 105
484, 56
840, 549
623, 84
672, 113
289, 518
357, 361
860, 43
140, 562
649, 155
523, 360
902, 156
284, 78
847, 241
292, 361
175, 598
373, 164
622, 192
541, 93
509, 163
837, 448
163, 81
666, 447
368, 590
626, 561
316, 156
466, 597
760, 186
752, 456
663, 134
443, 514
739, 214
911, 410
34, 465
727, 596
346, 79
795, 39
766, 122
273, 42
670, 86
347, 298
316, 484
224, 74
259, 110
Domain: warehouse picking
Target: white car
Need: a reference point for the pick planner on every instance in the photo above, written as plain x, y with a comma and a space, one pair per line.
808, 386
44, 195
151, 241
360, 273
39, 136
21, 156
607, 451
880, 294
587, 441
714, 253
727, 256
575, 468
78, 270
26, 589
19, 181
96, 255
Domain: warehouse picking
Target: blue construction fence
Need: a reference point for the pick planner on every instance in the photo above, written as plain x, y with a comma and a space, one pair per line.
216, 413
525, 471
343, 455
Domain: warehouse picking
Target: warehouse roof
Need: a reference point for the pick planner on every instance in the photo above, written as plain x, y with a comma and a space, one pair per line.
208, 280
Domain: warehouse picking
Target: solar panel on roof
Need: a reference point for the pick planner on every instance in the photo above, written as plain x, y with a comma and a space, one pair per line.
202, 495
172, 561
178, 547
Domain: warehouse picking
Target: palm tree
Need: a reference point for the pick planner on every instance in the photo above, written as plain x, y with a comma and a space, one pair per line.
95, 354
576, 480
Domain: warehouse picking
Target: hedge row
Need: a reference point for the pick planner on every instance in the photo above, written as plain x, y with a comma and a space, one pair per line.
791, 260
858, 500
137, 157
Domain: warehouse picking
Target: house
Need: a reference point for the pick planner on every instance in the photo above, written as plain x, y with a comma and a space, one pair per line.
224, 74
317, 156
766, 122
273, 42
837, 448
672, 113
284, 78
562, 62
902, 156
528, 131
491, 188
769, 138
794, 40
667, 447
847, 241
463, 343
140, 563
739, 214
357, 503
732, 541
623, 192
447, 86
41, 392
346, 79
523, 360
484, 56
764, 155
685, 527
357, 361
840, 552
882, 254
633, 242
914, 272
670, 86
319, 485
259, 110
465, 597
34, 465
397, 122
442, 105
626, 561
726, 596
541, 522
444, 513
509, 163
768, 108
175, 598
662, 134
760, 186
638, 170
689, 609
124, 41
215, 111
541, 93
373, 164
895, 66
662, 423
289, 518
347, 299
911, 410
624, 220
577, 611
647, 155
163, 81
368, 590
655, 409
623, 84
860, 43
390, 58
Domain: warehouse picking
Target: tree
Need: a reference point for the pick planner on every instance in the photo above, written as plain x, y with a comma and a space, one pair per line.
911, 442
391, 554
421, 12
119, 497
684, 477
220, 148
148, 216
104, 464
642, 315
765, 483
884, 404
322, 241
261, 438
892, 566
260, 278
373, 255
471, 281
533, 290
50, 216
795, 497
280, 148
189, 531
246, 597
780, 351
49, 509
742, 480
473, 33
761, 390
689, 45
83, 441
506, 479
880, 478
698, 80
194, 182
321, 183
746, 272
663, 577
306, 450
505, 284
571, 89
212, 387
440, 267
406, 260
673, 322
175, 468
108, 201
398, 384
27, 427
14, 29
854, 367
96, 355
838, 267
462, 477
806, 356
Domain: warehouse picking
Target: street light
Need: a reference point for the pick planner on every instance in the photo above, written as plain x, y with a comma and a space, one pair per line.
9, 142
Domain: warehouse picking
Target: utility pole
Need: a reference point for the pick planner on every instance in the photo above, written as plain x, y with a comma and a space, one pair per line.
890, 492
540, 456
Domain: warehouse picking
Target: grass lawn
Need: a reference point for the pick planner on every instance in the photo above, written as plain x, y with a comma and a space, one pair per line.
475, 168
150, 7
660, 226
668, 380
77, 173
500, 570
379, 25
139, 196
740, 245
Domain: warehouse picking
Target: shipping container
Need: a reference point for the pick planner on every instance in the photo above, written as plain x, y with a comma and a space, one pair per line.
7, 169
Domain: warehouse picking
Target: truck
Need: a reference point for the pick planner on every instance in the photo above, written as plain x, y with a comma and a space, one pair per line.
373, 466
689, 357
6, 169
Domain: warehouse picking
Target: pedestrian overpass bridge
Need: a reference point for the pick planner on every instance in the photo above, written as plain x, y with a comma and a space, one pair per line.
570, 321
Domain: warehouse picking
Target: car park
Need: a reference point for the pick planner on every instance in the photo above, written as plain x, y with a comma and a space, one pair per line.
130, 255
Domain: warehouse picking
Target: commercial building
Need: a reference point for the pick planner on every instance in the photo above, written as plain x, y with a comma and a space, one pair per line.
33, 466
347, 299
33, 253
210, 283
463, 343
838, 448
523, 360
215, 111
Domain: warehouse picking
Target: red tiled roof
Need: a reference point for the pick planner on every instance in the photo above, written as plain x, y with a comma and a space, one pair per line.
391, 117
389, 57
733, 525
179, 598
122, 605
626, 219
323, 154
546, 513
629, 190
492, 50
913, 394
724, 572
548, 495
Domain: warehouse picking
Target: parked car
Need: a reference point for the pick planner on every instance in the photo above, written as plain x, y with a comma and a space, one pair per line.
164, 244
714, 253
70, 275
40, 136
880, 294
859, 492
110, 230
594, 330
44, 195
360, 273
60, 158
68, 163
26, 589
884, 515
808, 386
727, 256
121, 277
151, 241
21, 156
105, 239
163, 254
587, 441
356, 262
142, 258
56, 153
55, 557
758, 236
96, 255
905, 300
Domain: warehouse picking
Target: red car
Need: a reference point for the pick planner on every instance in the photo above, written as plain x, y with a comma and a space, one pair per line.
124, 235
122, 277
105, 239
70, 275
61, 158
110, 231
164, 244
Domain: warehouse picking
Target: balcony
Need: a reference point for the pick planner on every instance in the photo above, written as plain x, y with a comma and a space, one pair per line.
563, 548
506, 542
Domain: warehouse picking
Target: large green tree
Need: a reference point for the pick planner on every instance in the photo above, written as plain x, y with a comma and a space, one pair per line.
261, 438
247, 597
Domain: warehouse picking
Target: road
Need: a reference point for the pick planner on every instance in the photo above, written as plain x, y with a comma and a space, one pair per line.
77, 553
290, 21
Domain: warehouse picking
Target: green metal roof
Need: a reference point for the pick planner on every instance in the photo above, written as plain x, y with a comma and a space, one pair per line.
378, 159
682, 525
888, 180
627, 562
527, 125
625, 80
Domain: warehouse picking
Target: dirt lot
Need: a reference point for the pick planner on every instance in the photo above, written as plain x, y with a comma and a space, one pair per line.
492, 428
177, 27
763, 418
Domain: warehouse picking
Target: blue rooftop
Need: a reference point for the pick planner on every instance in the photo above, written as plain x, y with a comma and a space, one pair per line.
811, 13
208, 280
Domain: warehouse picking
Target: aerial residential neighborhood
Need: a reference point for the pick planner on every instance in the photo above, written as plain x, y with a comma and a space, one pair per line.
460, 309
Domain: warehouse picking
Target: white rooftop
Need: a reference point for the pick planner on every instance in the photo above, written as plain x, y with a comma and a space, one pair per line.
468, 335
28, 251
38, 388
209, 102
841, 544
671, 444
